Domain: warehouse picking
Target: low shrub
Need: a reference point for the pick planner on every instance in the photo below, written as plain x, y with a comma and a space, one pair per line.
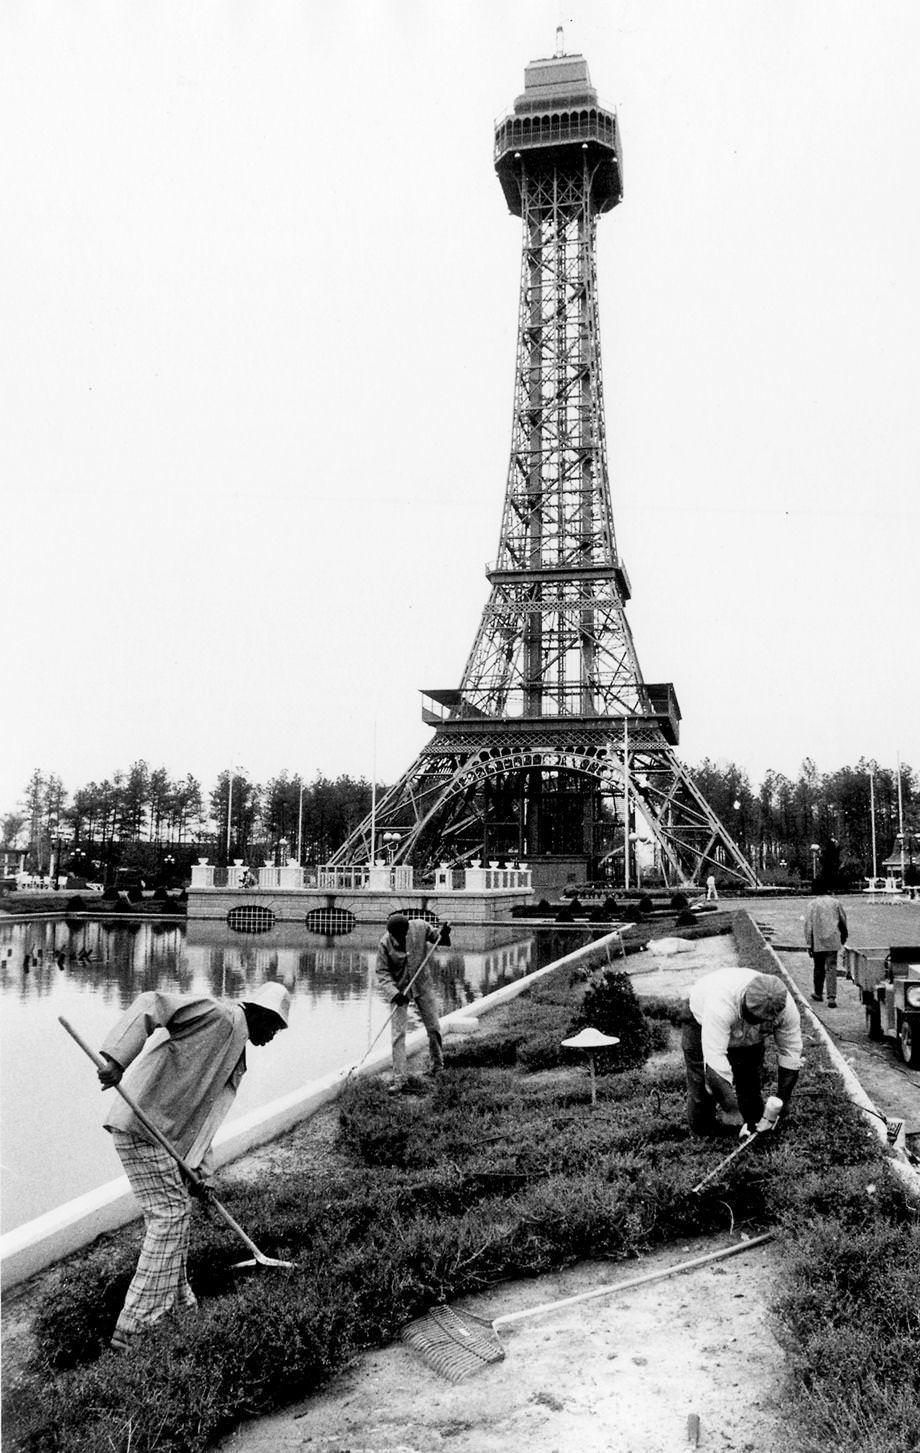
610, 1005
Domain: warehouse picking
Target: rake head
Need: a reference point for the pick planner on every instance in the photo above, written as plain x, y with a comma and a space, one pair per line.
453, 1343
262, 1260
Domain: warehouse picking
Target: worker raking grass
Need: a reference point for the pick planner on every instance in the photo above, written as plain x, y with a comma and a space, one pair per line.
185, 1084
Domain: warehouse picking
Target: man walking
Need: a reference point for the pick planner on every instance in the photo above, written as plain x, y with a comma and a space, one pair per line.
825, 934
184, 1084
400, 954
727, 1019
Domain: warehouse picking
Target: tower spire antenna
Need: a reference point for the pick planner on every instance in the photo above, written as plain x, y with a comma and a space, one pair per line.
553, 743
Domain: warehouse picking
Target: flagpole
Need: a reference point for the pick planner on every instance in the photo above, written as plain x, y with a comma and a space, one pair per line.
373, 854
872, 810
901, 819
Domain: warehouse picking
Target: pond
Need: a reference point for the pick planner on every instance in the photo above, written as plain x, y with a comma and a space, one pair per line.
53, 1144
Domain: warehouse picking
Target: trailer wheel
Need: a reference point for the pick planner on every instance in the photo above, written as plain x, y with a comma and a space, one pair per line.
909, 1041
873, 1019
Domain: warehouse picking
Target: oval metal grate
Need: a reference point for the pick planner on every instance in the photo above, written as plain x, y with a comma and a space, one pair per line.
251, 918
330, 920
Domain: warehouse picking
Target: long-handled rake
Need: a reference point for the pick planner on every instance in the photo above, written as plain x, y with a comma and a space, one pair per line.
194, 1179
388, 1021
457, 1344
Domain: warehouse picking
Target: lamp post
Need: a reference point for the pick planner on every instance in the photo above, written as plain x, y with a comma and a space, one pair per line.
815, 850
236, 769
901, 819
300, 827
872, 815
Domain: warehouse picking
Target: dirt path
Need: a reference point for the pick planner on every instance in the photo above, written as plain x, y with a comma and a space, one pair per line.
622, 1374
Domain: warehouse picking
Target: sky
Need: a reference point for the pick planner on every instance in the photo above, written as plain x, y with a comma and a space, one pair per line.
259, 293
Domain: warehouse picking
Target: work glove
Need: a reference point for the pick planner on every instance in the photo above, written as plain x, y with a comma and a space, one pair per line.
399, 1000
763, 1125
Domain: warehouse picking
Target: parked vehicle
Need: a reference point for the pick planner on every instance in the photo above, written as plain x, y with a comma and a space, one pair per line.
889, 984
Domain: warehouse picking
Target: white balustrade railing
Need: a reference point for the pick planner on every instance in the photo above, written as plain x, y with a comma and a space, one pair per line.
479, 879
363, 877
290, 876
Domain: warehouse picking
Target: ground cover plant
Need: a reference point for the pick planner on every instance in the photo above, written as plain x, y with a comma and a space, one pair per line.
499, 1169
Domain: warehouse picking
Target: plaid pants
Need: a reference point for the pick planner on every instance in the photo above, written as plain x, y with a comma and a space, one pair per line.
160, 1283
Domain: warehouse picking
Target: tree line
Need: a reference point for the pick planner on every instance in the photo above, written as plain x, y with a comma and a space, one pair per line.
820, 824
144, 818
789, 829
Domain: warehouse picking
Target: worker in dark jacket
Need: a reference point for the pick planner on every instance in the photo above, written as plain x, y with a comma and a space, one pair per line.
825, 934
401, 952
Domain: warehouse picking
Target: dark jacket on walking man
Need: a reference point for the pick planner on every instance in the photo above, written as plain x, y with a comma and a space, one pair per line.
825, 934
185, 1085
400, 953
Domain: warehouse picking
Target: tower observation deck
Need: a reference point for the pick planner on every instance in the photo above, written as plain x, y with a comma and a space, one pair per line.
554, 744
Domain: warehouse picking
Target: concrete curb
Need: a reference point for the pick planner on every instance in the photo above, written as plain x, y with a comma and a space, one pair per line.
39, 1243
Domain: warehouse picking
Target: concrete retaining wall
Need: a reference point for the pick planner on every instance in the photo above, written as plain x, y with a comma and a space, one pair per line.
293, 905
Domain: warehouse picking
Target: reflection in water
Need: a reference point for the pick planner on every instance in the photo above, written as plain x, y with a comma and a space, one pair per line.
89, 971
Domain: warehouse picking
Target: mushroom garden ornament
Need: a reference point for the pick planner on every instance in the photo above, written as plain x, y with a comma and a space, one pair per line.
590, 1039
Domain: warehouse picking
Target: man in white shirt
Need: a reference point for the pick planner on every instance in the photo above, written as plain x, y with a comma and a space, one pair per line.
727, 1019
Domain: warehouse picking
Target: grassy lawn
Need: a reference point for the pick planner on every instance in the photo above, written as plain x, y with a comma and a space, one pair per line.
501, 1169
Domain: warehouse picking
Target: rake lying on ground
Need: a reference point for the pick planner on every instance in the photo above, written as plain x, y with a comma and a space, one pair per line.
457, 1344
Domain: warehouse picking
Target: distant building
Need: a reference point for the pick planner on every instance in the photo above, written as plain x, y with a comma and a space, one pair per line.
891, 866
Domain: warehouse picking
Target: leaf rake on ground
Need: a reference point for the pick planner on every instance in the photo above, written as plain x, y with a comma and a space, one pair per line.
457, 1344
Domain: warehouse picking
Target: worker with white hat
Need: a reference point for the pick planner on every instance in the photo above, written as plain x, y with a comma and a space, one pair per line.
185, 1084
727, 1019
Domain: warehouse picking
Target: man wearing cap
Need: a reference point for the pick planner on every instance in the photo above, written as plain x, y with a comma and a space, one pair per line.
401, 954
727, 1018
185, 1084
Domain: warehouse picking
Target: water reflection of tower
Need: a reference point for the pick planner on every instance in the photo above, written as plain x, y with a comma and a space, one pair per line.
480, 973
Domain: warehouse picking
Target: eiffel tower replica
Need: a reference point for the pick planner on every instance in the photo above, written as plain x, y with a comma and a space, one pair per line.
553, 743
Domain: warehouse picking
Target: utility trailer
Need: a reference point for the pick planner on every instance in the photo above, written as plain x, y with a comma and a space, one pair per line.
889, 985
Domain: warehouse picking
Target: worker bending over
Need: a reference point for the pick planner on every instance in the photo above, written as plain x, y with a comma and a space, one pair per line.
727, 1018
401, 952
184, 1084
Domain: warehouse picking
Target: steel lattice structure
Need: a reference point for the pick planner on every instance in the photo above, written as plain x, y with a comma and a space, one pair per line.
554, 737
